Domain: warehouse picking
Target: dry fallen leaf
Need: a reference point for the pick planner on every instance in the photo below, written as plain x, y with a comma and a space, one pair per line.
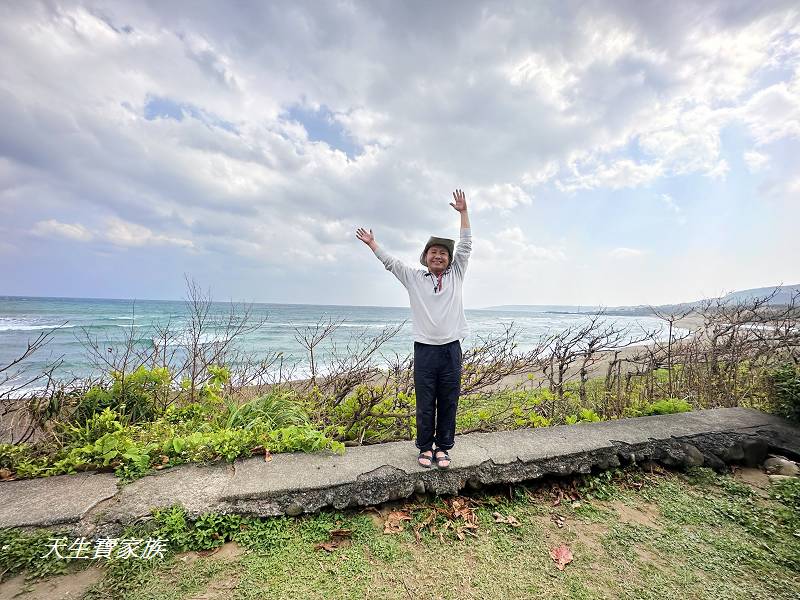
561, 555
558, 520
339, 538
5, 474
466, 528
343, 533
509, 520
329, 546
394, 521
267, 456
461, 509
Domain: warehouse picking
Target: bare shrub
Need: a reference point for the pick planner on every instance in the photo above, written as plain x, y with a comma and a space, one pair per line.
723, 363
28, 397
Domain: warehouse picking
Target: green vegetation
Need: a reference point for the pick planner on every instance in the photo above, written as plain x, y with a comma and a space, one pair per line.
632, 535
129, 427
130, 435
784, 391
668, 406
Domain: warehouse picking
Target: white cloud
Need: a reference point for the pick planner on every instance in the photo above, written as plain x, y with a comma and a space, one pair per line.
755, 161
512, 242
774, 113
623, 252
541, 175
114, 231
719, 171
502, 196
551, 81
624, 173
122, 233
55, 229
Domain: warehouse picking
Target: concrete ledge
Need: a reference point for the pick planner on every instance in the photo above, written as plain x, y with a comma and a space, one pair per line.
92, 504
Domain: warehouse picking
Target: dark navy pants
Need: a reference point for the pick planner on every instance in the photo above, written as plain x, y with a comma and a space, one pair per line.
437, 381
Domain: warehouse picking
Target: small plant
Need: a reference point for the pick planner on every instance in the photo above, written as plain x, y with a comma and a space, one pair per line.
585, 415
209, 530
274, 410
600, 486
300, 438
668, 406
23, 552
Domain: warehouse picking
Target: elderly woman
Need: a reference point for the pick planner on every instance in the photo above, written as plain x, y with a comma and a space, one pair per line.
439, 326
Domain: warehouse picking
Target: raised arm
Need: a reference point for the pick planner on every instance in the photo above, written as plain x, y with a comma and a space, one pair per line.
400, 270
464, 246
460, 205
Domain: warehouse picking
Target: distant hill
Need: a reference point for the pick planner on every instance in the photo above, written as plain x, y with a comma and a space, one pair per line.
782, 296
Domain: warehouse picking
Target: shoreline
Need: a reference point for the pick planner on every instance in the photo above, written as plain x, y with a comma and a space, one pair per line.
693, 323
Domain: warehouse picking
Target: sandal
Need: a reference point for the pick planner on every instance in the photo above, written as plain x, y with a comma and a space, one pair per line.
438, 458
422, 456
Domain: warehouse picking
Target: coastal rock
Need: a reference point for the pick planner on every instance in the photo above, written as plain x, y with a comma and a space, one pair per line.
294, 509
780, 465
755, 451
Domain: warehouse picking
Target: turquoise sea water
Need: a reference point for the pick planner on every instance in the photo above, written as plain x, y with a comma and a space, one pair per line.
108, 321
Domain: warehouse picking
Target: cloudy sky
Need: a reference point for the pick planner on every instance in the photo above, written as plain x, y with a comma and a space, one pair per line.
611, 152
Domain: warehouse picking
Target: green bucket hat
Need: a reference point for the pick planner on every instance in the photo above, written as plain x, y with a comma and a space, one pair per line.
437, 241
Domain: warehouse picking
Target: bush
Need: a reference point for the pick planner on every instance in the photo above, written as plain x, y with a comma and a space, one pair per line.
13, 454
20, 460
191, 414
783, 386
94, 427
135, 395
370, 413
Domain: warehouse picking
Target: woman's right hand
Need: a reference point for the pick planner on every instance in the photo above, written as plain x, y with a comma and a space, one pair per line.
365, 236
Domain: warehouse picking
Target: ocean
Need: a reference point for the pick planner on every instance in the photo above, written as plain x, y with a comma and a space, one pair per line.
76, 321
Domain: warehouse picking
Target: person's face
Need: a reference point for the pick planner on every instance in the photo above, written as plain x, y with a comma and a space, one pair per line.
437, 258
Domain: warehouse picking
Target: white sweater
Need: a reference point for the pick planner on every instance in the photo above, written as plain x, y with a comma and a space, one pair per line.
437, 317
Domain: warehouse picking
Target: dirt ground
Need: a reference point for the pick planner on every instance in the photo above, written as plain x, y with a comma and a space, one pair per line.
62, 587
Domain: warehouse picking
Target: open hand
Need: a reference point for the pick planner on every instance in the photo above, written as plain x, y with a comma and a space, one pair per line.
365, 236
460, 203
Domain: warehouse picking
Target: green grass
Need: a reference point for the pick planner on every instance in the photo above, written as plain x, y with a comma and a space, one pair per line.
634, 535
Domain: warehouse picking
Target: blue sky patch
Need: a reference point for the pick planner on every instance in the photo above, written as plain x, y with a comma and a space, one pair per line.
321, 126
158, 107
